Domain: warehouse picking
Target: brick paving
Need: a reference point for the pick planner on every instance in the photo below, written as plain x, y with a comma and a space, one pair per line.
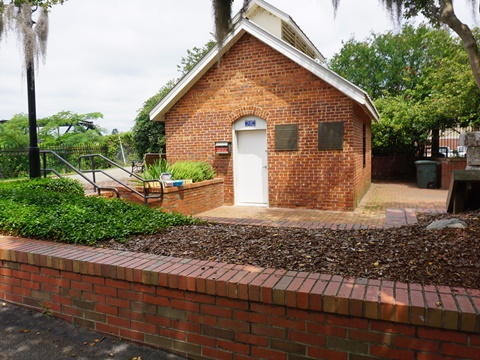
385, 205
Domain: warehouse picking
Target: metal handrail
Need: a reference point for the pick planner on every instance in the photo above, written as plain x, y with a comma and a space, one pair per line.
145, 194
70, 166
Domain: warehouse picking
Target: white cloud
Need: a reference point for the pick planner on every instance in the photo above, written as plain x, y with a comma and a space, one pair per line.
110, 56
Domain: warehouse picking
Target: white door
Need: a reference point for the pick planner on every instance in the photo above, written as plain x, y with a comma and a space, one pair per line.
251, 168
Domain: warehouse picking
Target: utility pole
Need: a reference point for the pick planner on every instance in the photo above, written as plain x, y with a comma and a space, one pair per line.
33, 150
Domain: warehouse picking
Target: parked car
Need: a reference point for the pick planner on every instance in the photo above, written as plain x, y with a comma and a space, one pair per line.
462, 151
445, 150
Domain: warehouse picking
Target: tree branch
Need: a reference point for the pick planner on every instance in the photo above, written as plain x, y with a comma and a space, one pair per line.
448, 16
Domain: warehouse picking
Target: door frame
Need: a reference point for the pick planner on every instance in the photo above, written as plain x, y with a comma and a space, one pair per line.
245, 124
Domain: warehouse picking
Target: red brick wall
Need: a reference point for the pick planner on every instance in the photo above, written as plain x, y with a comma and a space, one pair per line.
189, 199
362, 173
253, 79
393, 168
208, 310
446, 168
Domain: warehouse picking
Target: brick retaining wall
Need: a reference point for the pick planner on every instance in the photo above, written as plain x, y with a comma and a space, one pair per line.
215, 310
447, 165
189, 199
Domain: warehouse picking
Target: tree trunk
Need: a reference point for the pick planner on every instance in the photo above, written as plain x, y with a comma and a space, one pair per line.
448, 16
435, 143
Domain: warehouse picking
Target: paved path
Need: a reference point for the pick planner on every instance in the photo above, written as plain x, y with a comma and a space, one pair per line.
30, 335
385, 205
100, 178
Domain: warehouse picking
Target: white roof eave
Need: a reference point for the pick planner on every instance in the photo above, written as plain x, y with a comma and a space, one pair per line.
288, 19
243, 26
185, 83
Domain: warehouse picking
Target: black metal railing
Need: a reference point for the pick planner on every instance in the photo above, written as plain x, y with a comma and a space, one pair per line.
94, 171
146, 190
46, 170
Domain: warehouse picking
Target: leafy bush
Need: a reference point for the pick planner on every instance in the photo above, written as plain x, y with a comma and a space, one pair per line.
45, 209
152, 172
61, 185
197, 171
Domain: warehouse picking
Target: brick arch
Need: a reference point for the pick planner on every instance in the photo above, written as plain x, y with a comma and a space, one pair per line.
248, 110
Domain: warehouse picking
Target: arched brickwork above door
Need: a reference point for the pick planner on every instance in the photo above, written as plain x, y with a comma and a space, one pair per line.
248, 110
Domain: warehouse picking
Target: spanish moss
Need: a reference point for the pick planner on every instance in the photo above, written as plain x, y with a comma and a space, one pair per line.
41, 32
222, 12
2, 25
32, 35
394, 7
25, 30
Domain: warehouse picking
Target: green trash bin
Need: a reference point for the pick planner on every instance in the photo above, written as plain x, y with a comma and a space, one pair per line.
427, 174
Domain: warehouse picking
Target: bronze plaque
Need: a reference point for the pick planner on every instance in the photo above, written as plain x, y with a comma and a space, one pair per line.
330, 136
286, 137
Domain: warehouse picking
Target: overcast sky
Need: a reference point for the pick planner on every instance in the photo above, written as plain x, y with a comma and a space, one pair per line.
110, 56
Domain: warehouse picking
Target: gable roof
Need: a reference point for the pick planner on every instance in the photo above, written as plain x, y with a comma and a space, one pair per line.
281, 25
242, 26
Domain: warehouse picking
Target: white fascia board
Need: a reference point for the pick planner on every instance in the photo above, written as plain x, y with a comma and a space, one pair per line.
288, 19
185, 83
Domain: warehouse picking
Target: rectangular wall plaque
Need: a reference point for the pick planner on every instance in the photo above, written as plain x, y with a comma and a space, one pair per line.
330, 136
286, 137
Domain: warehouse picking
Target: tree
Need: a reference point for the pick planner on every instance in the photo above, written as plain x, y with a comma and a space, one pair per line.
388, 64
419, 80
193, 57
438, 11
149, 136
65, 128
17, 16
14, 133
69, 128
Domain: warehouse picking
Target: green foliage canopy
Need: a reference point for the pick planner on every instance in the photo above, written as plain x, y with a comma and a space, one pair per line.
438, 12
389, 64
64, 128
14, 133
419, 80
149, 136
193, 57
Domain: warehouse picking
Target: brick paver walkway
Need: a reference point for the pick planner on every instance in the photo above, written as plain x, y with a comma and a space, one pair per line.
385, 205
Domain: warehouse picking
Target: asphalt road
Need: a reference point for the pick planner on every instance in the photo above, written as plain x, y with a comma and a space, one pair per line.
30, 335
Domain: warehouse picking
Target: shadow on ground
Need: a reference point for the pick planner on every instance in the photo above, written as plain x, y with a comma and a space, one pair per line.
30, 335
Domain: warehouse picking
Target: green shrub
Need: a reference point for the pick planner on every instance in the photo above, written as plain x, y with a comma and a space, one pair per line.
197, 171
152, 172
60, 185
56, 214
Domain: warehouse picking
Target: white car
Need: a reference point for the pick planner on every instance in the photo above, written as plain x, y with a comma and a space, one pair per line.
445, 150
462, 151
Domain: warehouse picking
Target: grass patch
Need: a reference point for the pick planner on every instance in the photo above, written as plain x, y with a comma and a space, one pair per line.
56, 209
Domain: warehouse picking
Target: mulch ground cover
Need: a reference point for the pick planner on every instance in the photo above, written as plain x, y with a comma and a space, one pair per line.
411, 253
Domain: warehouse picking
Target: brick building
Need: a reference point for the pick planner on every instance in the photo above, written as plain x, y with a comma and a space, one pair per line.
280, 128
